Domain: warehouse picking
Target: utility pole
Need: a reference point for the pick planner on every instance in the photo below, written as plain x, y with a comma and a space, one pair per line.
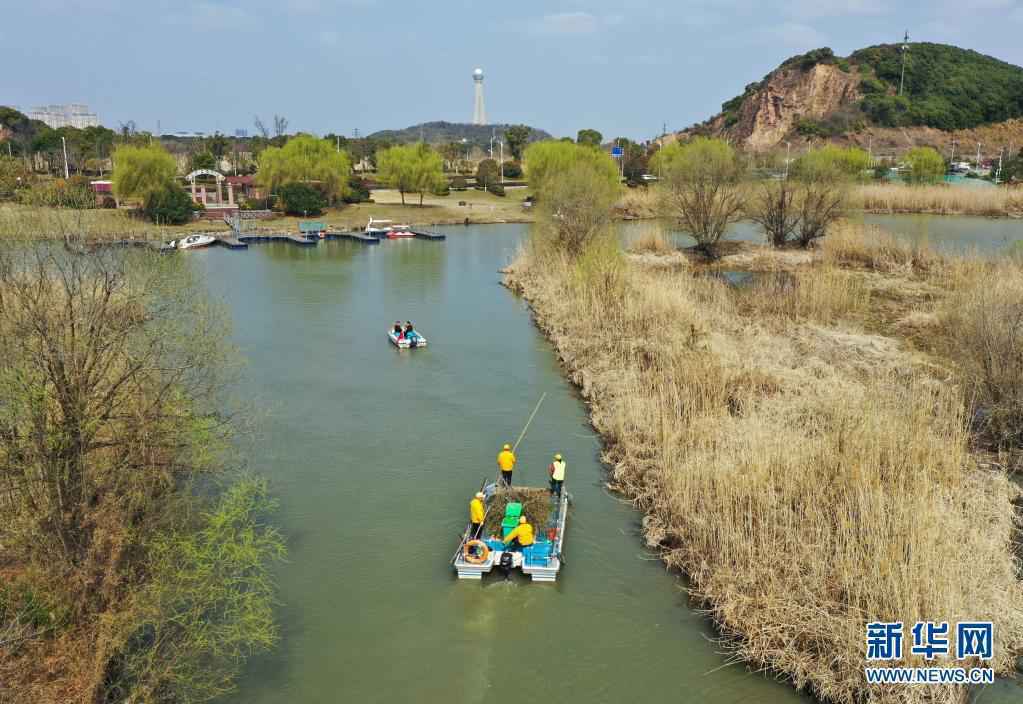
952, 159
493, 134
788, 151
502, 160
870, 150
998, 174
978, 156
339, 144
63, 143
905, 48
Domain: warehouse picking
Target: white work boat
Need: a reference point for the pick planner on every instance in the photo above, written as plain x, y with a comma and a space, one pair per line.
403, 342
193, 242
541, 561
377, 228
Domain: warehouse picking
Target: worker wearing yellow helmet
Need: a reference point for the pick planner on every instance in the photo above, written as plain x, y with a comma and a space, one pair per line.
557, 471
506, 463
476, 514
521, 536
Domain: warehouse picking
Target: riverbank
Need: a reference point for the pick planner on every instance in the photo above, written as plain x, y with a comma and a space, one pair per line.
796, 445
474, 207
883, 198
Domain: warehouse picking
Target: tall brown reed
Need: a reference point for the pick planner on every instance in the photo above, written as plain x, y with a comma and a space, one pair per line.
804, 491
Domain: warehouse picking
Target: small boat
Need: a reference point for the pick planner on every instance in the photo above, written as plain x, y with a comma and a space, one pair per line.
541, 561
193, 242
378, 227
404, 342
400, 232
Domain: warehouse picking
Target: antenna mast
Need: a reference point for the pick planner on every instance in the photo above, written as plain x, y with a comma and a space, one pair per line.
905, 49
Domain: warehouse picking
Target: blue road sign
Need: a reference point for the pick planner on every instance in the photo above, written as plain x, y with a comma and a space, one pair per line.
617, 151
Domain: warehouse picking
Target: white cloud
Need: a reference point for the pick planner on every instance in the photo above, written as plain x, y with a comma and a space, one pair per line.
568, 23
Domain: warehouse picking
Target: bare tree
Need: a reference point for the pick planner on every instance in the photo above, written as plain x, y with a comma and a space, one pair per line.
102, 384
821, 203
280, 125
260, 127
701, 189
775, 207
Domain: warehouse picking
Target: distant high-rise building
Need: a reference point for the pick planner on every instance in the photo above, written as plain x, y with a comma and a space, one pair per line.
70, 115
241, 133
479, 114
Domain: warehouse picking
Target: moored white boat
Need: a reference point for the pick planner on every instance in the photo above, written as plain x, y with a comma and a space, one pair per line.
193, 242
378, 227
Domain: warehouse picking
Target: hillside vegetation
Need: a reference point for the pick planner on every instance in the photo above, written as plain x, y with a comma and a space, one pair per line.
946, 87
447, 132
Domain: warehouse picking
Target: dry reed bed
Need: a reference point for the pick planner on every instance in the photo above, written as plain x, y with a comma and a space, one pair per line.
941, 200
806, 475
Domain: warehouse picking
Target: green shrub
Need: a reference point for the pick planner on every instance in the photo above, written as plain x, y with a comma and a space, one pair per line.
358, 190
75, 193
512, 169
458, 183
872, 86
301, 199
169, 205
488, 173
441, 188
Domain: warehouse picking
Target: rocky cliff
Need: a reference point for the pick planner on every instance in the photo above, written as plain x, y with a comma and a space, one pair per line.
947, 91
786, 99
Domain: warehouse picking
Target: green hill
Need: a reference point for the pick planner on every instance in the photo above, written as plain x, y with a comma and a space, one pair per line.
447, 132
946, 87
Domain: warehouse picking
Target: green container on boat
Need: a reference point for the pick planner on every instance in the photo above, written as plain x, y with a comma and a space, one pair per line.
508, 525
513, 510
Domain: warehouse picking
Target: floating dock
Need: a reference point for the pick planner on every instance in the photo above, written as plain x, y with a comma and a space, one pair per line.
424, 235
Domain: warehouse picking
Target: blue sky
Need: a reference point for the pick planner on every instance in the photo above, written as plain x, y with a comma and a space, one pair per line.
623, 67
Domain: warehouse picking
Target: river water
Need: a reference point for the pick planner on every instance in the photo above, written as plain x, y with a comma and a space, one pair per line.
374, 454
956, 234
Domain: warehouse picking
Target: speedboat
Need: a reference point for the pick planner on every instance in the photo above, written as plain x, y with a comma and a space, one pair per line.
193, 242
403, 342
400, 232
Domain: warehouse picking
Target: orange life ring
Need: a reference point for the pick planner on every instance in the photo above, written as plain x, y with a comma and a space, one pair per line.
476, 552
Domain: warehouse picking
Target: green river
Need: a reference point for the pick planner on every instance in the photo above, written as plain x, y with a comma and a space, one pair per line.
374, 454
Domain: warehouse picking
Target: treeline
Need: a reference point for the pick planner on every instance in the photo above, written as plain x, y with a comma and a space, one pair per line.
135, 566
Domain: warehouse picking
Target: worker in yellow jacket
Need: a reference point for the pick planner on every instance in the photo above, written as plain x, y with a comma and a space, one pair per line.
521, 536
506, 463
557, 471
476, 514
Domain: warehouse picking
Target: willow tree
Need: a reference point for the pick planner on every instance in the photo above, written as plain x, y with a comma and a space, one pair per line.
577, 187
925, 165
411, 168
700, 188
142, 171
306, 159
549, 160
